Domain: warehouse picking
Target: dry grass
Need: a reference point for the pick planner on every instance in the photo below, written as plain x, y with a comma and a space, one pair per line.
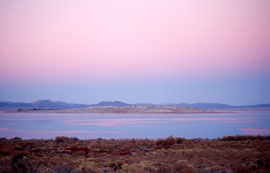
228, 154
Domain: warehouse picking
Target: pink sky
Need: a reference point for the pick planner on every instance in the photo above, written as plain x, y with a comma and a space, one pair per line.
99, 39
154, 51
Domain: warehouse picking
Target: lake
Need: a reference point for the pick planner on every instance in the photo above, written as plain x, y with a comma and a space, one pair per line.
85, 126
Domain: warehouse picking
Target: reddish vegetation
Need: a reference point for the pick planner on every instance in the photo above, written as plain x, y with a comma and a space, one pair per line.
228, 154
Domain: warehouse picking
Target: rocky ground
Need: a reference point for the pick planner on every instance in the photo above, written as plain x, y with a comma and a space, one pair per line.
228, 154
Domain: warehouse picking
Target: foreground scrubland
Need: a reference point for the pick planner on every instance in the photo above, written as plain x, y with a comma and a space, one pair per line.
228, 154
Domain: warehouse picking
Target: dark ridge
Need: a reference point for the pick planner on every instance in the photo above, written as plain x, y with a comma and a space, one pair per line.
110, 103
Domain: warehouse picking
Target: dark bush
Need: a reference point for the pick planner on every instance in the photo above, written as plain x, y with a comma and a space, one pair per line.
116, 165
61, 139
179, 140
244, 137
16, 139
165, 142
66, 139
6, 150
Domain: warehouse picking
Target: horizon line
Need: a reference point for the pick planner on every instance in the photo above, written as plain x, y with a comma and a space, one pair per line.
136, 103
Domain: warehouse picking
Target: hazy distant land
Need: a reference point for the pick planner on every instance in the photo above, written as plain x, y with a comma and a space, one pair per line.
123, 108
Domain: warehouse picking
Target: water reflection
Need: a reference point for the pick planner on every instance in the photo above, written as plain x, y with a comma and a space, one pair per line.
44, 125
155, 121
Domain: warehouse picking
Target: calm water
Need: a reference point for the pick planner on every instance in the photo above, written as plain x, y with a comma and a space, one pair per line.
49, 125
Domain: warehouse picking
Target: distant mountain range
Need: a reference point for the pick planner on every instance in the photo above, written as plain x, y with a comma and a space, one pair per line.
42, 104
48, 104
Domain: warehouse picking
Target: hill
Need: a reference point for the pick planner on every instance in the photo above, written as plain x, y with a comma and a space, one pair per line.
110, 103
41, 104
120, 106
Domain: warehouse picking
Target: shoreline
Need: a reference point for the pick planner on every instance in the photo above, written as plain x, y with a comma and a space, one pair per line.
174, 110
124, 110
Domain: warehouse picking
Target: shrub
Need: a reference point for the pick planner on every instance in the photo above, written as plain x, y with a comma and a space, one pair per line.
89, 167
6, 150
244, 137
17, 139
179, 140
165, 142
61, 139
66, 139
116, 165
45, 170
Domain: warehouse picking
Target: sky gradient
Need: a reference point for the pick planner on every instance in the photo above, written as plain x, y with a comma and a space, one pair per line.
155, 51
